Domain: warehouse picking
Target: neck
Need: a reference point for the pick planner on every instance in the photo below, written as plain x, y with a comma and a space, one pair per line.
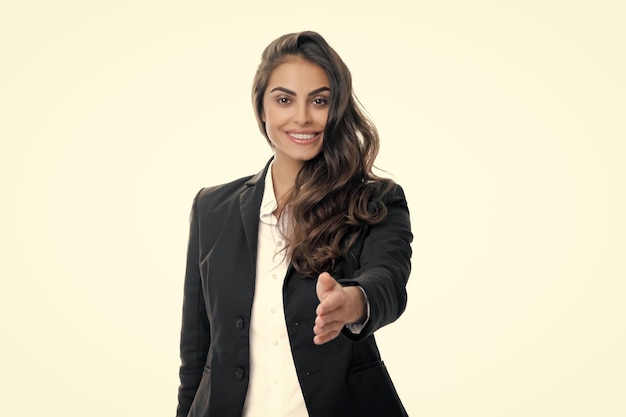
283, 179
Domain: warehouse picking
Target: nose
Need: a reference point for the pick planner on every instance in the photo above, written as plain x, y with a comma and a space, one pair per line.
302, 114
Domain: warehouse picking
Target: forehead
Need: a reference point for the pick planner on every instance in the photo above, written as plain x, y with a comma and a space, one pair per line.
296, 73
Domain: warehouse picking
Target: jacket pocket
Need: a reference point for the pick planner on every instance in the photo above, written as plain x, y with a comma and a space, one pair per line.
373, 391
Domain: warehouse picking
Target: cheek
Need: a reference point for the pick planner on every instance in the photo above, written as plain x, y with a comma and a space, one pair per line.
275, 118
272, 125
323, 118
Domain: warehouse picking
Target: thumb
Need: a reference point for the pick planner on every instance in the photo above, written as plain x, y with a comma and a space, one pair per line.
325, 283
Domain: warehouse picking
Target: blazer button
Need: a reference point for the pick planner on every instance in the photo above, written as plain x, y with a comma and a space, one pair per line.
238, 374
239, 324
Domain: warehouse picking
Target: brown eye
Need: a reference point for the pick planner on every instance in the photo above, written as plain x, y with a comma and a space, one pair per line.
283, 100
320, 101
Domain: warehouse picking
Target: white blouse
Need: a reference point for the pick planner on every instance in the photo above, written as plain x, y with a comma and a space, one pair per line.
273, 389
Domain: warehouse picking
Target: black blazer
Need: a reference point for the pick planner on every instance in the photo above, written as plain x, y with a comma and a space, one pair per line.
344, 377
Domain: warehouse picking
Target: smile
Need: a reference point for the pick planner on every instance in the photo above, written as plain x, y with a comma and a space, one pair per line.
302, 136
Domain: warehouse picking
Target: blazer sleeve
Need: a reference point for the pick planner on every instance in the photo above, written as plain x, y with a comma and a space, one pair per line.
384, 266
195, 332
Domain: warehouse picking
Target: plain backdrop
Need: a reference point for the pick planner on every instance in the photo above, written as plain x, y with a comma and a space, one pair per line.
504, 122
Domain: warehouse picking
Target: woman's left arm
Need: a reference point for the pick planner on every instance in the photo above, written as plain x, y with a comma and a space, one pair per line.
385, 265
382, 273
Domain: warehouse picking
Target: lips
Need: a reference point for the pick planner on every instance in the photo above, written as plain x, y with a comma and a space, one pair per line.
303, 137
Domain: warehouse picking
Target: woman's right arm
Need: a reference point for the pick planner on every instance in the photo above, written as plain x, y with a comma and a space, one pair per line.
195, 334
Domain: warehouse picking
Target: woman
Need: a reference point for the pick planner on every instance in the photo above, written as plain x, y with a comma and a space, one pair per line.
290, 271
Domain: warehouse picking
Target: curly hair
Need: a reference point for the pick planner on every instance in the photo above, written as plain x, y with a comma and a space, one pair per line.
336, 194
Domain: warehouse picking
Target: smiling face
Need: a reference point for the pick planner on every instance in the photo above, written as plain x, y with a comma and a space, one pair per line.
295, 110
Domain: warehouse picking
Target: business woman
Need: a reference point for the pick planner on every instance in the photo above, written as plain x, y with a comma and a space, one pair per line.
292, 270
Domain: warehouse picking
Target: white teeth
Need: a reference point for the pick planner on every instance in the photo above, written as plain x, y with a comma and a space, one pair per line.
302, 136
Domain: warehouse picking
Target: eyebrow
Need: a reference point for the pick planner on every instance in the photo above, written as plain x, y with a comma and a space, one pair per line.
293, 93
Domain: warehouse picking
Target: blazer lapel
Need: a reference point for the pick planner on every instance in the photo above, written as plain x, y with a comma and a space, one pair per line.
250, 204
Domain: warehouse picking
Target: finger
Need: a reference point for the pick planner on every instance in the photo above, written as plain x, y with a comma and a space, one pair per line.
322, 326
326, 337
331, 327
334, 301
325, 284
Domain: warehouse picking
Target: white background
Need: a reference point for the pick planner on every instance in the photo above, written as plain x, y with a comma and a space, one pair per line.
504, 122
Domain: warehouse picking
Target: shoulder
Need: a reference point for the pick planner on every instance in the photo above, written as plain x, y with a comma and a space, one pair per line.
386, 192
222, 195
395, 194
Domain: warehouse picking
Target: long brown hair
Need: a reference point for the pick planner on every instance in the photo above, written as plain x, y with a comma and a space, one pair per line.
336, 193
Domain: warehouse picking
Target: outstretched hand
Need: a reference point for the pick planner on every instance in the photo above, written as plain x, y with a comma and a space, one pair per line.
338, 306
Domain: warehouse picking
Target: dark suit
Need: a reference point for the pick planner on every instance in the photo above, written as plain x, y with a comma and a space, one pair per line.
344, 377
